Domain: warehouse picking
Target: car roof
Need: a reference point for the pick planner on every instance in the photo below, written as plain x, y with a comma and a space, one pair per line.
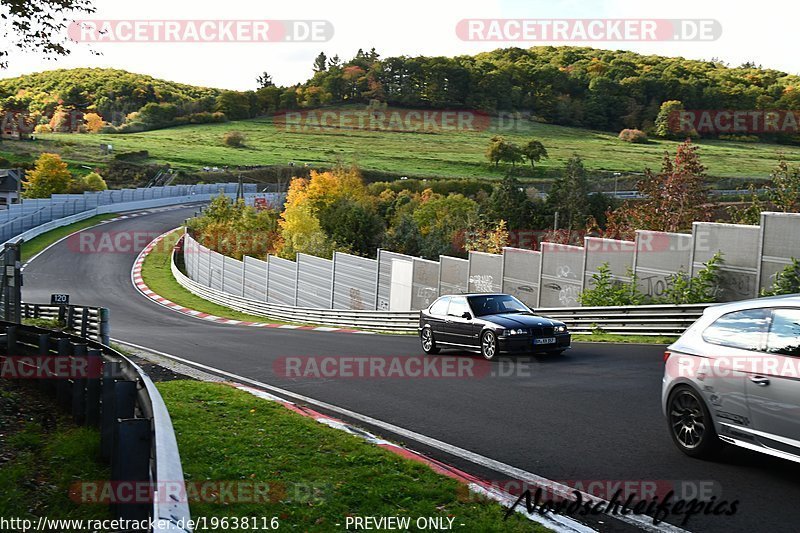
470, 294
786, 300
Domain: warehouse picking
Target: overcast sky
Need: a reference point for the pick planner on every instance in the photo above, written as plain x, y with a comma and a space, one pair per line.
752, 32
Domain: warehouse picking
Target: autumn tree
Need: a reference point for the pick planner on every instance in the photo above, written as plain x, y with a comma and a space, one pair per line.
494, 152
486, 237
784, 188
49, 176
335, 196
235, 229
667, 121
94, 182
94, 122
500, 149
672, 199
534, 151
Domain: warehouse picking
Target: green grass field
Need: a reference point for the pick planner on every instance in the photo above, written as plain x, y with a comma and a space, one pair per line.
443, 154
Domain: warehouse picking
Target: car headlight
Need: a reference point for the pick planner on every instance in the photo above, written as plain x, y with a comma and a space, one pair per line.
561, 329
517, 331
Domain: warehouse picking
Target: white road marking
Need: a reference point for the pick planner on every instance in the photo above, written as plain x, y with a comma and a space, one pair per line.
642, 522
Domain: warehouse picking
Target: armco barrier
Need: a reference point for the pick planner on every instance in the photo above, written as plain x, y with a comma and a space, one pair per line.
21, 221
87, 322
136, 434
632, 320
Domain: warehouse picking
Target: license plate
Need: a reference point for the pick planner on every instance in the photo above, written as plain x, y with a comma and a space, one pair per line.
545, 340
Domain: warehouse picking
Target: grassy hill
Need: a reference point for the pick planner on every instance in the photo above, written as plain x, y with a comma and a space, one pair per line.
445, 154
104, 90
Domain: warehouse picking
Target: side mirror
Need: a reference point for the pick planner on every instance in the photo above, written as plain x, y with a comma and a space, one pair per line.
466, 315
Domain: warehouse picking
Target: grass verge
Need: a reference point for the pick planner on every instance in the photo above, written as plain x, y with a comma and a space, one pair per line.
157, 274
37, 244
315, 475
623, 339
42, 453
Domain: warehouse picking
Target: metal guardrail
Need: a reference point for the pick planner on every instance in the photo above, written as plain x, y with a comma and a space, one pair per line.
102, 388
630, 320
36, 216
87, 322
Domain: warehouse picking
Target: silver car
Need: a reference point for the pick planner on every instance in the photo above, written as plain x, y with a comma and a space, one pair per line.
734, 377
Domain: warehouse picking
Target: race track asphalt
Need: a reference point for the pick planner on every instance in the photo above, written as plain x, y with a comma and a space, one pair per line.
592, 414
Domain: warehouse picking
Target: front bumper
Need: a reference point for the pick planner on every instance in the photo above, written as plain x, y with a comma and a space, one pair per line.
524, 344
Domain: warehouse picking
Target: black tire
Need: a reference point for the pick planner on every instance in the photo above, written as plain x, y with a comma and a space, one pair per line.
428, 341
690, 424
489, 349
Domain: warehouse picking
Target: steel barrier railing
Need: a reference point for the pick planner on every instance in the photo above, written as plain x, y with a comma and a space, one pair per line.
88, 322
628, 320
103, 388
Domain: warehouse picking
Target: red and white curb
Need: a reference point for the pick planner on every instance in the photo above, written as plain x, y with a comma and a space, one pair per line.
475, 484
141, 286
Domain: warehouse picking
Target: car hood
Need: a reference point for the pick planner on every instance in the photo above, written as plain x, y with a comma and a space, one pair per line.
516, 320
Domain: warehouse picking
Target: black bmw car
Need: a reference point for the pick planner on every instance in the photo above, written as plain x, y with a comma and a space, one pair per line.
490, 324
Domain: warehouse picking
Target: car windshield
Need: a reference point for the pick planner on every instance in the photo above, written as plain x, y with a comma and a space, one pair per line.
496, 304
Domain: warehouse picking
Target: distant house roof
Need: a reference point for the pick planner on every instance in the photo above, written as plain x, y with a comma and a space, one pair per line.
9, 178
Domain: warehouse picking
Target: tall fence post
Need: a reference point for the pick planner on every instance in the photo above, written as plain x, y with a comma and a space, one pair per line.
11, 284
63, 385
45, 382
105, 325
94, 369
130, 463
84, 321
79, 365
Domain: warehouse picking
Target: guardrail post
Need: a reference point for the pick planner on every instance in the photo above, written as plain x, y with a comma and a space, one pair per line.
79, 365
108, 411
105, 325
93, 386
84, 321
11, 341
63, 384
45, 383
70, 318
130, 463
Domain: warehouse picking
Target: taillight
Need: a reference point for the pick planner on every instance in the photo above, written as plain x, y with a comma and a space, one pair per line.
666, 356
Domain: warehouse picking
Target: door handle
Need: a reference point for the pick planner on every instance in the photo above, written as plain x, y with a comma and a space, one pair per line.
761, 381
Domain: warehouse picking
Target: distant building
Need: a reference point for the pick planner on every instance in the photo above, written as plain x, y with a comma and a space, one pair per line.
13, 129
10, 183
